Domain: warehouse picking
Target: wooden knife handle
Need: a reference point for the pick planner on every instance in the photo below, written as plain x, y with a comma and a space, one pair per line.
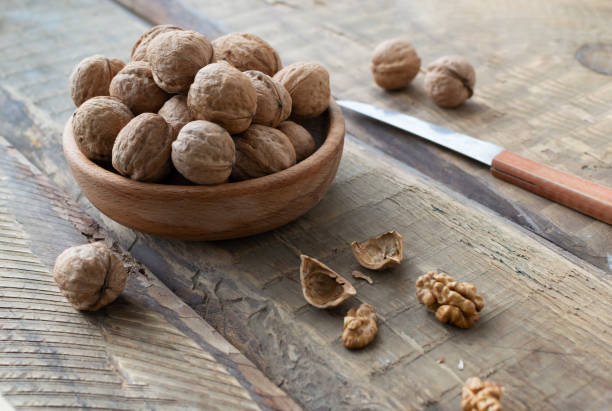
571, 191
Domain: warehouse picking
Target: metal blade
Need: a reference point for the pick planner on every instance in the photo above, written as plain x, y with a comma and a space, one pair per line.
479, 150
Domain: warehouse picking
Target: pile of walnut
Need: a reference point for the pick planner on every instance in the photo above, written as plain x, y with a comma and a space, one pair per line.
212, 111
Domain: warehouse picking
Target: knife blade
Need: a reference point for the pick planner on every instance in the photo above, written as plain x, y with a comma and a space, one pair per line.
573, 192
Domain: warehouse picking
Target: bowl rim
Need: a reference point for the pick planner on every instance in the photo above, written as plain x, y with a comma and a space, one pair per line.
333, 142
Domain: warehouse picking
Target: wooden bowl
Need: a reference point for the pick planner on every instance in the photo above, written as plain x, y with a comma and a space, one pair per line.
231, 210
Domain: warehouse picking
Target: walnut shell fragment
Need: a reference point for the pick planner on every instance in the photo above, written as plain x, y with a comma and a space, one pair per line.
394, 64
477, 395
139, 51
90, 276
450, 81
247, 51
135, 87
323, 287
273, 100
308, 86
380, 252
176, 113
360, 327
452, 301
92, 77
303, 142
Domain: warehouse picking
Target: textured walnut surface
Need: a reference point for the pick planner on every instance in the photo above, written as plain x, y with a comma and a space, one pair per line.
303, 142
308, 86
380, 252
135, 87
247, 51
176, 113
273, 100
360, 327
450, 81
477, 395
322, 287
139, 51
394, 64
452, 301
92, 77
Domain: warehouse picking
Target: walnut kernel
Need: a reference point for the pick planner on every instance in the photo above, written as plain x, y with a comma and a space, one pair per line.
477, 395
273, 100
394, 64
92, 77
360, 327
135, 87
139, 51
247, 51
308, 86
302, 140
452, 301
323, 287
176, 113
450, 81
90, 276
380, 252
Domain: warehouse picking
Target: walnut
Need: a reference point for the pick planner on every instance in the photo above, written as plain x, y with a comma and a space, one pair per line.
96, 123
308, 86
394, 64
273, 100
450, 81
380, 252
204, 152
142, 148
452, 301
176, 56
92, 76
262, 150
247, 51
222, 94
176, 113
135, 87
302, 140
323, 287
360, 327
90, 276
477, 395
139, 51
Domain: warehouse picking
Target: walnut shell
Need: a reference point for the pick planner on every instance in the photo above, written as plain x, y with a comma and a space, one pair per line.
135, 87
394, 64
222, 94
273, 100
262, 150
204, 152
360, 327
323, 287
139, 51
90, 276
176, 113
477, 395
450, 81
92, 77
300, 138
96, 123
308, 86
142, 148
247, 51
176, 56
380, 252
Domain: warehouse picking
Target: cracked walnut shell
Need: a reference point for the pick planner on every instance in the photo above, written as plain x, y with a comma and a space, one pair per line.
204, 153
90, 276
247, 51
450, 81
452, 301
302, 140
96, 123
477, 395
224, 95
360, 327
394, 64
380, 252
273, 100
92, 77
135, 87
142, 148
139, 51
308, 86
323, 287
176, 113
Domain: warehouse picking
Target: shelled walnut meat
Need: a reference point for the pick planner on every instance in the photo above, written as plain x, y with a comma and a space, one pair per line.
360, 327
135, 87
308, 86
394, 64
302, 140
477, 395
380, 252
450, 81
322, 287
452, 301
139, 51
92, 77
90, 276
176, 113
96, 123
246, 51
273, 100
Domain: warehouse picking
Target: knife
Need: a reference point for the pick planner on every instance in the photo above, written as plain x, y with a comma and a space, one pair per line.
571, 191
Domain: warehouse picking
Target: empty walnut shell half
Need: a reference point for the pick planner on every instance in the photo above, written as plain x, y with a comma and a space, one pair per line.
360, 327
378, 253
323, 287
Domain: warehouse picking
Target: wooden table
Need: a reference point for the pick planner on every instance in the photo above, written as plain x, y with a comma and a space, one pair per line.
543, 269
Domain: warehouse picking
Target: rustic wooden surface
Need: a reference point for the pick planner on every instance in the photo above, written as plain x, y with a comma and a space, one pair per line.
543, 334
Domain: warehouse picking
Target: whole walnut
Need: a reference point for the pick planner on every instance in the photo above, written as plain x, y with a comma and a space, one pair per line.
247, 51
90, 276
135, 87
273, 100
204, 152
224, 95
142, 148
394, 64
303, 142
92, 77
176, 56
96, 123
176, 113
450, 81
308, 86
139, 51
262, 150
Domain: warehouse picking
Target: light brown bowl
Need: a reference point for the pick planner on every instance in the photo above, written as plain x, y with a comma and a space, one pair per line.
218, 212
